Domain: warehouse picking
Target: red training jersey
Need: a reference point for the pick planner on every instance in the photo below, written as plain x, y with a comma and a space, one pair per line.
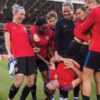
19, 40
45, 40
64, 76
78, 33
53, 36
92, 23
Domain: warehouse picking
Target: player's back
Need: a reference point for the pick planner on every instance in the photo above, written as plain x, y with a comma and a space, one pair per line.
65, 75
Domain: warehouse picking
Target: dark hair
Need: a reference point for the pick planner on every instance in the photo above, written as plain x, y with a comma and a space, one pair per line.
98, 1
82, 8
48, 92
40, 21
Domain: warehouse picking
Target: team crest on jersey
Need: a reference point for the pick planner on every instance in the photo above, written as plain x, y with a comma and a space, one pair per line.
47, 37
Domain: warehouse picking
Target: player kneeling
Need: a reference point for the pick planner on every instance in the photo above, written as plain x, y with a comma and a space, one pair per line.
63, 75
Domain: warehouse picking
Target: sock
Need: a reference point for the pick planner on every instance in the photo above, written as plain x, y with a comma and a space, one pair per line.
52, 98
33, 92
61, 98
25, 92
98, 97
13, 91
86, 97
65, 99
76, 91
75, 98
63, 94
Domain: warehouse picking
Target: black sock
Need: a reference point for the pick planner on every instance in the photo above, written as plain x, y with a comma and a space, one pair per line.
13, 91
33, 92
98, 97
63, 94
25, 92
86, 97
76, 91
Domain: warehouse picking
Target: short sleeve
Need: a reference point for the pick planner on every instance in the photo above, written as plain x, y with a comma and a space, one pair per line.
52, 74
33, 30
7, 28
90, 20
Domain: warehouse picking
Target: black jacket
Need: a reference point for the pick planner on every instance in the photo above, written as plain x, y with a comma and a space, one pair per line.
64, 34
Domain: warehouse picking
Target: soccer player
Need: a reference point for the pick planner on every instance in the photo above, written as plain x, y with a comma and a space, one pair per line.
52, 20
92, 64
17, 45
63, 75
42, 41
90, 4
64, 29
64, 34
80, 42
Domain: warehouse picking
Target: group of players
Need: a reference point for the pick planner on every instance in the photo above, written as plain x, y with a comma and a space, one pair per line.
71, 44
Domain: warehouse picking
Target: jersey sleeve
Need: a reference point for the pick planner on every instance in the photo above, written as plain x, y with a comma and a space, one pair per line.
7, 28
78, 33
87, 24
33, 30
52, 74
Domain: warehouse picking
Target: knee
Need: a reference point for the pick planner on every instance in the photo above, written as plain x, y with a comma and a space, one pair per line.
87, 75
45, 78
97, 81
30, 83
18, 81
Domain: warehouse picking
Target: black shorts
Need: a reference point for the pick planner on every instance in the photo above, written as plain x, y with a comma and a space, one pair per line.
72, 50
42, 65
26, 66
93, 61
77, 52
82, 54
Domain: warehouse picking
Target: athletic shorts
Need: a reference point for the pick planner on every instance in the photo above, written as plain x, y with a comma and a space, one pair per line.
77, 52
82, 54
93, 61
42, 66
25, 65
73, 50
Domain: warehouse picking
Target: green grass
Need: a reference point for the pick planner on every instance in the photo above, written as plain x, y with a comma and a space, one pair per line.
5, 83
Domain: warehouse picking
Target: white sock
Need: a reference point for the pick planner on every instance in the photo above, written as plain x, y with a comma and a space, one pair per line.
75, 98
61, 98
65, 99
52, 98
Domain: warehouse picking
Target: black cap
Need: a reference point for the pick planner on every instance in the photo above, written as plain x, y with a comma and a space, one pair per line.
41, 21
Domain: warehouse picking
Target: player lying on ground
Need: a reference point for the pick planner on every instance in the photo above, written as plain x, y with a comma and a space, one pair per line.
63, 75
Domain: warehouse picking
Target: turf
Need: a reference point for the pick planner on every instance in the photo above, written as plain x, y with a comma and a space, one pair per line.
5, 83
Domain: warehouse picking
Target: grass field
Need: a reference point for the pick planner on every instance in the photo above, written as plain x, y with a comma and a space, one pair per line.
5, 83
